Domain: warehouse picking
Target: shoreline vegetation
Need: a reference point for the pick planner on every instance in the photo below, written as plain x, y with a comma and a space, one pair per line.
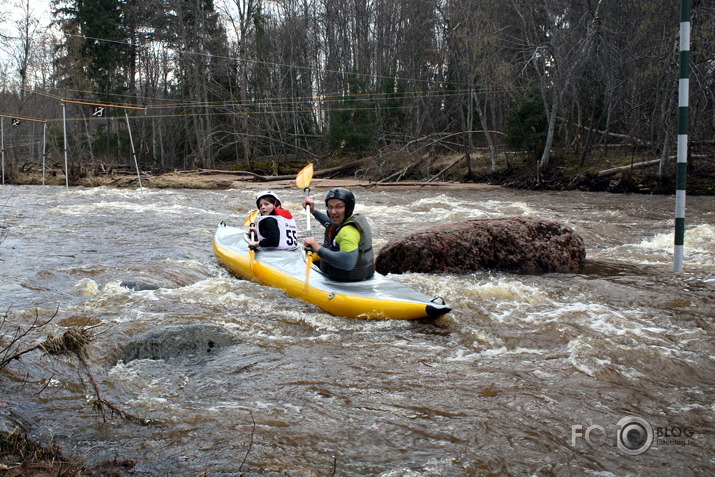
618, 174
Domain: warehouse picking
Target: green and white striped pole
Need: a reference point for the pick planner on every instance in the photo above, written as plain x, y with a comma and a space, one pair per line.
2, 141
682, 170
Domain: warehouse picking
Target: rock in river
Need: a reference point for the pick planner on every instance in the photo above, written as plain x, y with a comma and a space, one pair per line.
519, 244
138, 284
179, 341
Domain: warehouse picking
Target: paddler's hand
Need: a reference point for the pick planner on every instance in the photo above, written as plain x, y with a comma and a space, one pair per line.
311, 244
311, 202
252, 232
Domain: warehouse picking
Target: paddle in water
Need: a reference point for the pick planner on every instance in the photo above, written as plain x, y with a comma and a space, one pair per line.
302, 180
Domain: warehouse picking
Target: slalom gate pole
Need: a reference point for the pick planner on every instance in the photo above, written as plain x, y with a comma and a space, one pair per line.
44, 152
682, 165
2, 146
64, 127
134, 152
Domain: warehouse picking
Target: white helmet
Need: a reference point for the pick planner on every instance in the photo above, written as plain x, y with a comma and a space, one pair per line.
267, 193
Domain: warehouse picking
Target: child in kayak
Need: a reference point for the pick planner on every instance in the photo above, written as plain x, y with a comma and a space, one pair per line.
275, 227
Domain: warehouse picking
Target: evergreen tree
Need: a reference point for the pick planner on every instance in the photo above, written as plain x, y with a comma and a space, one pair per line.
352, 126
95, 30
528, 125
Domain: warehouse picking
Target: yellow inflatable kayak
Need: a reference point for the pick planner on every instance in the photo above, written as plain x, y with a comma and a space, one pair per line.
375, 298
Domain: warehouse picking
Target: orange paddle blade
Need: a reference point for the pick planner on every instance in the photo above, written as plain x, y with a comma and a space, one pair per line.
251, 219
304, 176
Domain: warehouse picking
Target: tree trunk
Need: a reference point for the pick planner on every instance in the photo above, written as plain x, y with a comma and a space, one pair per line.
546, 155
488, 137
664, 159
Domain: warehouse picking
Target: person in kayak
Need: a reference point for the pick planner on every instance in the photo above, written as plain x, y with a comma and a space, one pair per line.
275, 227
346, 253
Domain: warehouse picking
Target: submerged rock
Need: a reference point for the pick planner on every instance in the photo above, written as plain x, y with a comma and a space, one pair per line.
523, 244
139, 284
179, 341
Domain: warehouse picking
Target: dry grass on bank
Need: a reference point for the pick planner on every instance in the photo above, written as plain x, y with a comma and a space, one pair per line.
420, 170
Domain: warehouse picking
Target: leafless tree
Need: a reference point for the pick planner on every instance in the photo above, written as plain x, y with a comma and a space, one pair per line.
268, 79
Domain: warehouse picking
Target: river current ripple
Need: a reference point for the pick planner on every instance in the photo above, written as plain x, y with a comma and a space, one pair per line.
530, 374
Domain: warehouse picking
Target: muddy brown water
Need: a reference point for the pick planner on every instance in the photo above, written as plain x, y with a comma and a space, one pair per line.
528, 375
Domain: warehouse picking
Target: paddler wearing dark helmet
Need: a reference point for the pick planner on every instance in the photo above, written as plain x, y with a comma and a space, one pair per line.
346, 253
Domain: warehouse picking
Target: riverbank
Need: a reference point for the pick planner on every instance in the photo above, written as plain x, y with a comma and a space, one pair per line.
217, 180
618, 174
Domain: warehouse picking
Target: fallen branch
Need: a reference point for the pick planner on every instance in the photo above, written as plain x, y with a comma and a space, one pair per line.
434, 178
211, 172
250, 444
333, 170
73, 342
399, 173
616, 170
10, 351
261, 178
398, 184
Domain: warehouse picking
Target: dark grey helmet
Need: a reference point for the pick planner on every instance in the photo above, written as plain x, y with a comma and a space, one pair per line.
344, 195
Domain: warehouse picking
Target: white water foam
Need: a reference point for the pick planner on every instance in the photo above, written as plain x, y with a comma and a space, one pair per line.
699, 248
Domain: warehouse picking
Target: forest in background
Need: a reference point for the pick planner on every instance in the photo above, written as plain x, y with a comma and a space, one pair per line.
511, 86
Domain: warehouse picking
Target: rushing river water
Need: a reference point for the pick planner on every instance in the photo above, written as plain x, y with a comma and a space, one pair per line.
523, 377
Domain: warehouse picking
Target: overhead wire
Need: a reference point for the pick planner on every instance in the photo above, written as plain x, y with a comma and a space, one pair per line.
320, 100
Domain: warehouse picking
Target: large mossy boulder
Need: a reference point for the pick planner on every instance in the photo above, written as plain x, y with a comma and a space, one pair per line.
518, 244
